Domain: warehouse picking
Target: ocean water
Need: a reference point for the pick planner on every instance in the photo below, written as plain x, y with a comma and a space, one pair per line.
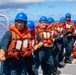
4, 27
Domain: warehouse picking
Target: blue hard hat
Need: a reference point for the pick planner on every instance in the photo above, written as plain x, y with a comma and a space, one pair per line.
21, 16
68, 15
43, 18
50, 19
30, 24
62, 19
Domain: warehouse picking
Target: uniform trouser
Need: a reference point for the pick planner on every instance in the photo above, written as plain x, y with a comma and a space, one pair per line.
55, 53
60, 46
13, 64
61, 54
69, 47
74, 38
36, 54
46, 60
30, 64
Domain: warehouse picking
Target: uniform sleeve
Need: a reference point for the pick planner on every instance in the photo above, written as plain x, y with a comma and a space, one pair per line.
38, 37
64, 34
72, 31
58, 37
5, 40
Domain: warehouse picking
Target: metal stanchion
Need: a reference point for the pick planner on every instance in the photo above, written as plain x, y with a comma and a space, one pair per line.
7, 20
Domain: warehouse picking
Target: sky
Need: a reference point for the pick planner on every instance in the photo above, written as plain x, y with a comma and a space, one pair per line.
34, 9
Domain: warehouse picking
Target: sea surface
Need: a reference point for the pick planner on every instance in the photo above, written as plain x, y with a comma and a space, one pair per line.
4, 27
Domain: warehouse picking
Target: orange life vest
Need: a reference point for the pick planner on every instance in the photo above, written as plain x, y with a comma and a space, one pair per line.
69, 28
74, 50
53, 31
19, 43
45, 35
74, 27
34, 38
60, 28
33, 41
69, 22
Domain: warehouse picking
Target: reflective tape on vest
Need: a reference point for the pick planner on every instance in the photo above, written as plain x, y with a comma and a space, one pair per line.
48, 34
58, 29
52, 32
74, 31
25, 43
68, 26
33, 42
18, 45
44, 34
